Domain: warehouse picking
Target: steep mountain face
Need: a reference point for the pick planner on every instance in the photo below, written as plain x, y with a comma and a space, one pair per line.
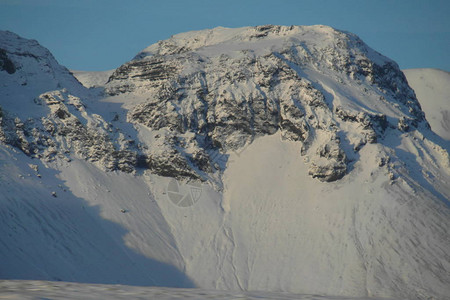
218, 90
28, 67
266, 158
205, 99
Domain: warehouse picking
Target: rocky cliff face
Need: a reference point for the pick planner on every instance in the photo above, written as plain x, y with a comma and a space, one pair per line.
42, 117
66, 130
217, 90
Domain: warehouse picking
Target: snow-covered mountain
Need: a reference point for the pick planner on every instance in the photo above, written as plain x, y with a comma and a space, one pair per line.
267, 158
432, 87
220, 89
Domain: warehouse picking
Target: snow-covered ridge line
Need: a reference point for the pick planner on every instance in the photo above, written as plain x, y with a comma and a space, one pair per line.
249, 38
92, 79
30, 59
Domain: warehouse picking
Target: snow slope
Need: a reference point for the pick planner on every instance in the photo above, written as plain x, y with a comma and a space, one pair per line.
91, 78
48, 232
342, 232
432, 87
244, 214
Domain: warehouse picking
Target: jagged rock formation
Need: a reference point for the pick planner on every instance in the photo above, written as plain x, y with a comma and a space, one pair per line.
46, 120
228, 87
62, 132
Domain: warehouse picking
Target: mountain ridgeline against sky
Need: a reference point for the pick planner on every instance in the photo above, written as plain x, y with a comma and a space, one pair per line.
217, 90
269, 158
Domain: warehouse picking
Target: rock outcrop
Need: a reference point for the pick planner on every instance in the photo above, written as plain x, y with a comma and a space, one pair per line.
62, 133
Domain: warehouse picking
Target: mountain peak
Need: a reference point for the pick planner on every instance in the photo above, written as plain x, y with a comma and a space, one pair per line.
230, 86
259, 38
27, 66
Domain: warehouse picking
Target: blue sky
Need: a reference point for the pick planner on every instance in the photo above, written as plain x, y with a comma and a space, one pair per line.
103, 34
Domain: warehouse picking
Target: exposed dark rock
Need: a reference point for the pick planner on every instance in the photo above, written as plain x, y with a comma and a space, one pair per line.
61, 133
5, 63
328, 173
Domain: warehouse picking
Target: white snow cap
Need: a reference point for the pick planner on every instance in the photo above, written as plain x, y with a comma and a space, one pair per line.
267, 37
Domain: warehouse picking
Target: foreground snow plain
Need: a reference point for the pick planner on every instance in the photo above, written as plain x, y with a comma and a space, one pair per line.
38, 290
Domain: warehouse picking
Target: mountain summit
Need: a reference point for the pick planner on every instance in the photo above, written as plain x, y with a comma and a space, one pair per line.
268, 158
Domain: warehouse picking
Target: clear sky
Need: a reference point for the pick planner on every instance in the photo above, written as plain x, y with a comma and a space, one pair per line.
103, 34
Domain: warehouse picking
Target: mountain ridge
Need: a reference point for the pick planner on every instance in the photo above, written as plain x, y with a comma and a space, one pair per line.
203, 78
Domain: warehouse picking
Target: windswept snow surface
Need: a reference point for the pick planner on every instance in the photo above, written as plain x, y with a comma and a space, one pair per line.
38, 290
432, 87
262, 223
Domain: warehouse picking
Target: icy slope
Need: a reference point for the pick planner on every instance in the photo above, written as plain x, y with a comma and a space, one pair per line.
50, 233
337, 238
432, 88
269, 158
